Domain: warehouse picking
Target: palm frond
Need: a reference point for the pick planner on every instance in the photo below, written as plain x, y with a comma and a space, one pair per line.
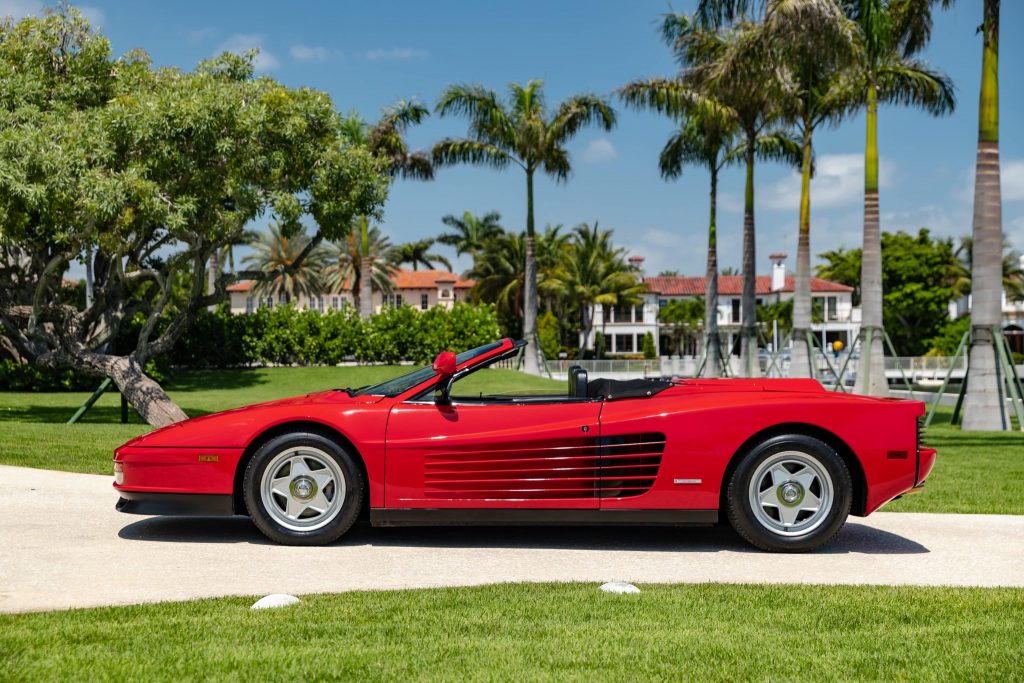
451, 151
578, 112
914, 82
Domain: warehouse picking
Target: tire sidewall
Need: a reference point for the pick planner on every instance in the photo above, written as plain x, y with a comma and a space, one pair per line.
252, 482
738, 501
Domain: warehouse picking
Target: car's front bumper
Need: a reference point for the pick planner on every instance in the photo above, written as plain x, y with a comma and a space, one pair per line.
185, 504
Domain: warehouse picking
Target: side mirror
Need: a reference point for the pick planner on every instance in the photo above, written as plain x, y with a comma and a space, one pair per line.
444, 365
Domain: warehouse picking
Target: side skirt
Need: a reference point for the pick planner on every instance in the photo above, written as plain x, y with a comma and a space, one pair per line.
510, 517
184, 504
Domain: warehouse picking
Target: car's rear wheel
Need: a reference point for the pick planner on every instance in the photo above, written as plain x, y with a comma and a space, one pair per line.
790, 493
303, 489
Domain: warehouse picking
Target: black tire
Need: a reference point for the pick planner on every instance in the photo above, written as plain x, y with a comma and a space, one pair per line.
766, 528
326, 528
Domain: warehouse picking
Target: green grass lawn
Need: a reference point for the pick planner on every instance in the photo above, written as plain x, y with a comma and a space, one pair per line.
975, 472
538, 632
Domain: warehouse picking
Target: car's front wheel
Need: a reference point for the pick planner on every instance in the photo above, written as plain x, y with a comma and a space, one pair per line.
303, 489
790, 493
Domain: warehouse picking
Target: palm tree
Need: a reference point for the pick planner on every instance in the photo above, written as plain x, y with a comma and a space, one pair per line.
984, 408
385, 140
417, 253
684, 319
1012, 271
595, 273
345, 262
470, 233
885, 72
522, 132
704, 138
275, 252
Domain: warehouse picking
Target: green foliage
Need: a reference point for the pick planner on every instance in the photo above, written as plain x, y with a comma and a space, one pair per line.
684, 322
945, 343
547, 332
600, 345
917, 272
27, 377
843, 266
649, 349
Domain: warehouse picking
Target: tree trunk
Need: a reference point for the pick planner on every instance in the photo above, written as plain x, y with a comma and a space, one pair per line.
713, 364
365, 287
802, 355
748, 300
144, 394
984, 409
88, 278
211, 276
531, 363
871, 375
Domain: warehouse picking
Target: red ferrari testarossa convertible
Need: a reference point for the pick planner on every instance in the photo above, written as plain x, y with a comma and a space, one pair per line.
784, 460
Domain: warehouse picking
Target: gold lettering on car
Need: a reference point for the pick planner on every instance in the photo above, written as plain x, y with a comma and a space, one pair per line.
208, 458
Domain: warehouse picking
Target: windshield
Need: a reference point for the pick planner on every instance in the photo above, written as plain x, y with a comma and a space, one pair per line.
403, 383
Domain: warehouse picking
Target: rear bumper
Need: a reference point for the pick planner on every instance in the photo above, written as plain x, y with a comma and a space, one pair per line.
184, 504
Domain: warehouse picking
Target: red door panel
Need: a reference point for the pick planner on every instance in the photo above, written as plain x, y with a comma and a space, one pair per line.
528, 455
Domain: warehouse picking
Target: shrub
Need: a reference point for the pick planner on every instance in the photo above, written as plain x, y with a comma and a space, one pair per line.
648, 348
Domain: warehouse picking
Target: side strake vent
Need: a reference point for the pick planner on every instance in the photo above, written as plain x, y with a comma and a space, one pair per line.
608, 467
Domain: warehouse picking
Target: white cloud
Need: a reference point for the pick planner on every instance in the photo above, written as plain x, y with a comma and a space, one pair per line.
94, 15
397, 54
240, 42
310, 53
18, 9
599, 150
201, 35
838, 181
1011, 182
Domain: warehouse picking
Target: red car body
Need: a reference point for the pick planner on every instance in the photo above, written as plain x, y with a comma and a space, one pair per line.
544, 460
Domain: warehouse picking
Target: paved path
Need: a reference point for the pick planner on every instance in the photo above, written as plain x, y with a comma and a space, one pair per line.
63, 545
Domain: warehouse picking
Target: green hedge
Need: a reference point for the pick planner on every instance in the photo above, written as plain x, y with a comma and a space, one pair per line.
288, 336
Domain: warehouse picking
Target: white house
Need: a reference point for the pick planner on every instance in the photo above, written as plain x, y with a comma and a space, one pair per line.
627, 325
420, 288
1013, 316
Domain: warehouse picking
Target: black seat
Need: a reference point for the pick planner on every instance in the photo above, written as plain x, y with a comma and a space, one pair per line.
577, 382
617, 389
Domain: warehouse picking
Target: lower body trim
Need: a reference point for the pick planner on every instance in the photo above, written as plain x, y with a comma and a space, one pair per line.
185, 504
514, 517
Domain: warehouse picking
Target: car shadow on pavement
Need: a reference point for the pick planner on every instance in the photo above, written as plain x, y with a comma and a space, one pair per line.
854, 538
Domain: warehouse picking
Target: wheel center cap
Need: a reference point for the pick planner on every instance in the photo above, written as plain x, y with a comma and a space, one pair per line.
791, 493
302, 487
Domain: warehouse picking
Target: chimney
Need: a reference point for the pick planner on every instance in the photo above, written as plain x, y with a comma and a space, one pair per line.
778, 271
638, 263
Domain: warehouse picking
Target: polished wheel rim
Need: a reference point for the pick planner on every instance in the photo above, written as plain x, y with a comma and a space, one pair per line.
303, 488
791, 493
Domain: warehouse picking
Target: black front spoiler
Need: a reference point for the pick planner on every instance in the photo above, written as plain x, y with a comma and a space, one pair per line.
185, 504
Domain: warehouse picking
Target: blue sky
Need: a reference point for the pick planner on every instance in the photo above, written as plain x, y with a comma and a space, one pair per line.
369, 54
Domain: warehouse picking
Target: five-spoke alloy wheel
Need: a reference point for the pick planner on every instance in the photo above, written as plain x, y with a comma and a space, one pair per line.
303, 489
789, 493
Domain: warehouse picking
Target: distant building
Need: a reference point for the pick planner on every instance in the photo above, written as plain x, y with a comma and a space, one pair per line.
422, 289
1013, 316
626, 325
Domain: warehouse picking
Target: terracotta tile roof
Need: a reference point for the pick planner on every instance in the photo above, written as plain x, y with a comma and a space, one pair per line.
241, 286
732, 285
429, 279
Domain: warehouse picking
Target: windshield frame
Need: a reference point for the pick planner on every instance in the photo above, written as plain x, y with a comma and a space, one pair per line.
402, 384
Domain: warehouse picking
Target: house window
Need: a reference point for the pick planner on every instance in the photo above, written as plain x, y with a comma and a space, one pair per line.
621, 314
623, 343
638, 313
662, 303
735, 310
270, 302
248, 304
424, 302
831, 308
445, 293
334, 302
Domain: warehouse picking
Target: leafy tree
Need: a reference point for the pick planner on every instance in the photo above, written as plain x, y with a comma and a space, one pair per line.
385, 141
417, 253
274, 253
1013, 272
917, 271
547, 332
649, 349
523, 132
154, 170
471, 233
843, 266
684, 321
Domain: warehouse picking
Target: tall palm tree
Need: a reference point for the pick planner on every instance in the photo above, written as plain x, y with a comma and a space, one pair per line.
707, 133
417, 253
595, 273
886, 72
274, 252
984, 408
345, 261
1012, 271
385, 140
470, 233
521, 131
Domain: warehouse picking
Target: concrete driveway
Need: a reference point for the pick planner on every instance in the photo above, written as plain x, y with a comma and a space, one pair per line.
63, 545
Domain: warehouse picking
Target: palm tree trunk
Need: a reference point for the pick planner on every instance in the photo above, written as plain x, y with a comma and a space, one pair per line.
712, 366
748, 299
872, 381
530, 361
365, 271
801, 356
984, 408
